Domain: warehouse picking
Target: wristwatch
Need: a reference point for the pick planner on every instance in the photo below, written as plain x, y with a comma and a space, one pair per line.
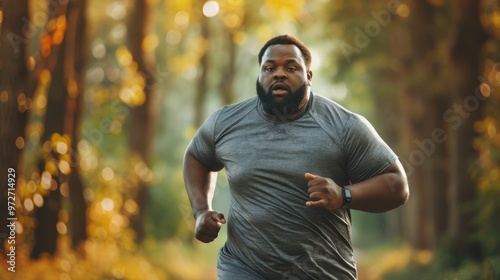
346, 197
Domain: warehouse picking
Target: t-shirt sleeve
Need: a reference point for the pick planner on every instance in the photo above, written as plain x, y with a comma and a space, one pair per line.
202, 146
366, 154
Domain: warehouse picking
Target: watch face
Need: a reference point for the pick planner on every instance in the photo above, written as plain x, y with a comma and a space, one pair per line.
346, 193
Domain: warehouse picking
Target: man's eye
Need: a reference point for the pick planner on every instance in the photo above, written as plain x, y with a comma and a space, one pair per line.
292, 69
269, 69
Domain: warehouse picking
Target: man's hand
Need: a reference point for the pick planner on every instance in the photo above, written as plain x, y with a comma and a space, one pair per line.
208, 224
323, 192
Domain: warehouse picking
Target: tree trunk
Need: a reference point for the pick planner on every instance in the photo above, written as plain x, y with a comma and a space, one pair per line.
227, 81
432, 138
13, 80
201, 86
422, 123
410, 103
63, 117
142, 120
76, 60
46, 234
465, 48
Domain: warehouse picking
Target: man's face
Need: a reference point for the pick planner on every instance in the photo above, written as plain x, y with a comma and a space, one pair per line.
284, 80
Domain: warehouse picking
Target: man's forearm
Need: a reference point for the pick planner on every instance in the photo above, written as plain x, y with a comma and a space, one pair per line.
200, 184
380, 193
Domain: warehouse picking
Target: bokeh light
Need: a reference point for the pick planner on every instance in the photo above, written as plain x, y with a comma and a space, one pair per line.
211, 8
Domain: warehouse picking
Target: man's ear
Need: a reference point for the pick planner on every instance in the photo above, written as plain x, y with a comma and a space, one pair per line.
309, 77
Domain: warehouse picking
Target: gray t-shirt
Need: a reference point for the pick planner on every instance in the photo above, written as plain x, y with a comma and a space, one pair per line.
272, 234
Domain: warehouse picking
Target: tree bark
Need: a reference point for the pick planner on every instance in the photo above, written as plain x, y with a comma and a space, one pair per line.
13, 79
435, 182
142, 120
227, 81
63, 116
76, 61
201, 86
46, 234
422, 106
467, 38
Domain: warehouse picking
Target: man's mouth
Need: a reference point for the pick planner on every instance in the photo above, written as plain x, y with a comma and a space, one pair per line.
279, 89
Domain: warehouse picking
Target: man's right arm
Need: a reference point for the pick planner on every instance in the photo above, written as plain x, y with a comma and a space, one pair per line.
200, 187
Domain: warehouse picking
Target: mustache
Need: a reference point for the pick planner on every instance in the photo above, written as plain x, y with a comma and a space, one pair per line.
281, 83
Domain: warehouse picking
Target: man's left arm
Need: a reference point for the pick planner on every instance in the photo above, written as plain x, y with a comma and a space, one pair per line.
381, 193
377, 194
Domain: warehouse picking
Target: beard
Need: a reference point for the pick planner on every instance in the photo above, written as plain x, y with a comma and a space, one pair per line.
290, 105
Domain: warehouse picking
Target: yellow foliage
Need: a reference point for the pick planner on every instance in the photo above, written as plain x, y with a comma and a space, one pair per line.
377, 264
95, 260
233, 13
184, 62
110, 251
60, 30
285, 10
124, 56
116, 257
41, 91
240, 38
488, 143
172, 9
264, 32
150, 43
132, 92
187, 265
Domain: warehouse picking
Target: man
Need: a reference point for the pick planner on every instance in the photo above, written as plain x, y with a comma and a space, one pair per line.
296, 164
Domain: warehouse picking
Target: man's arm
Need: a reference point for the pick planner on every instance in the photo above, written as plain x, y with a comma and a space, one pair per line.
378, 194
200, 187
381, 193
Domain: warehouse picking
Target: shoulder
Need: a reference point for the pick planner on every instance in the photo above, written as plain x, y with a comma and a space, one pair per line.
331, 109
240, 108
330, 112
232, 110
339, 122
230, 114
323, 105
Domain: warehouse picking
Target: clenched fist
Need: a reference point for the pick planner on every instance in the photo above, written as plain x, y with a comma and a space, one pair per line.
208, 224
323, 192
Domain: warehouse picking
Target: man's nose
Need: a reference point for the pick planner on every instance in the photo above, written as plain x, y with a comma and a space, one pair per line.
280, 73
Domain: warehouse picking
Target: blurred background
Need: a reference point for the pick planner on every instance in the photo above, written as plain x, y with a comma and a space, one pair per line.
99, 99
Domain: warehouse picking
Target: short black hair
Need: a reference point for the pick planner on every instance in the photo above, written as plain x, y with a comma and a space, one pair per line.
287, 39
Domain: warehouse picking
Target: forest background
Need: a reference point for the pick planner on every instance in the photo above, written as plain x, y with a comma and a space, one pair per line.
98, 100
